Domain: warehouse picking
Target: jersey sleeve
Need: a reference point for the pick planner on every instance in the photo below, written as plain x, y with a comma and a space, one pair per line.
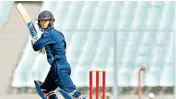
45, 39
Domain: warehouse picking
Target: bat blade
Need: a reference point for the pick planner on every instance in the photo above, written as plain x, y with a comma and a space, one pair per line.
22, 11
24, 15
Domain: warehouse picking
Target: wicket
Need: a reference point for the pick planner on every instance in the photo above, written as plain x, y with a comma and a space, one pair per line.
97, 83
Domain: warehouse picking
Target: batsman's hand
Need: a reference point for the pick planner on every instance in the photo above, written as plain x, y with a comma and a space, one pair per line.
33, 41
42, 51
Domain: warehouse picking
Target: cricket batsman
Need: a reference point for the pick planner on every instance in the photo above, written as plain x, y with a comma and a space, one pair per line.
54, 44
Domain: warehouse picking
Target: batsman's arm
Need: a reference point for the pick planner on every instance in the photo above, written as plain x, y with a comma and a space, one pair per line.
45, 39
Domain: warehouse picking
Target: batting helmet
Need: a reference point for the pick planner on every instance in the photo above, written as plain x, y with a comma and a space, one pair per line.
46, 15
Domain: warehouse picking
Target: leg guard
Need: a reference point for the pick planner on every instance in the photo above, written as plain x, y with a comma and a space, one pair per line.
39, 90
65, 94
74, 95
52, 95
77, 95
43, 93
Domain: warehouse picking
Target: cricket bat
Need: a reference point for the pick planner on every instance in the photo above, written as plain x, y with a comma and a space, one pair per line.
24, 15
